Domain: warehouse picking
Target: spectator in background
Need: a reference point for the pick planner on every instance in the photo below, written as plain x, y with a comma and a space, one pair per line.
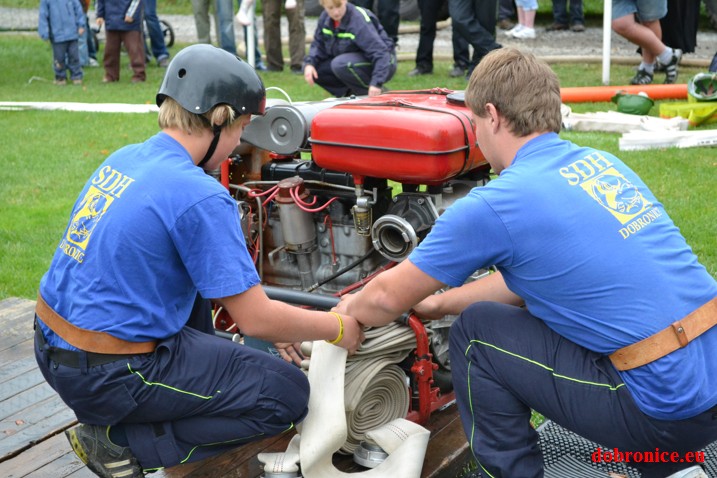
156, 36
62, 22
525, 29
430, 14
200, 9
506, 12
475, 21
86, 43
224, 22
680, 24
639, 22
245, 16
123, 25
351, 52
576, 22
272, 34
388, 13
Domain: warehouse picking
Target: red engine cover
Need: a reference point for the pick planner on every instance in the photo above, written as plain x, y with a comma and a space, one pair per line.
414, 137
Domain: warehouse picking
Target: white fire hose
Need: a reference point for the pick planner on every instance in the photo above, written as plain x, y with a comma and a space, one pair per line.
364, 399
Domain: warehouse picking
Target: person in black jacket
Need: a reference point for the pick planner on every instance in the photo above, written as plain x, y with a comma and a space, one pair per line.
351, 52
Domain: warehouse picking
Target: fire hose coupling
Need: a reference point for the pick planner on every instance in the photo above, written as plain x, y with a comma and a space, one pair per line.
397, 233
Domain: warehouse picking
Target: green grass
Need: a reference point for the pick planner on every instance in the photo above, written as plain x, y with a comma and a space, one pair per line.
47, 155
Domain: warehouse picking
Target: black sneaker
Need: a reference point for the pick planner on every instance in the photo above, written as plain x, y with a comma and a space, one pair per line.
419, 71
671, 67
457, 71
104, 458
642, 77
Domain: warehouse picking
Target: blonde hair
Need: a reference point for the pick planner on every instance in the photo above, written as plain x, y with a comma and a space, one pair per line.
524, 90
173, 115
333, 3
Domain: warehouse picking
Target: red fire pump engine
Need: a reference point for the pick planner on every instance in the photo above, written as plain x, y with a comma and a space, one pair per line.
332, 193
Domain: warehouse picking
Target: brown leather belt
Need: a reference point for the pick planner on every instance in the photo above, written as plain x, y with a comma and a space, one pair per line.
88, 340
677, 335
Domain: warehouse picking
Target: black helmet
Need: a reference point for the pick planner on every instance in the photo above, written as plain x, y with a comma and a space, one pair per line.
202, 76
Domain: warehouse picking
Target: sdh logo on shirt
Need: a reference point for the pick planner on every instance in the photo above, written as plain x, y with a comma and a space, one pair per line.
106, 186
597, 176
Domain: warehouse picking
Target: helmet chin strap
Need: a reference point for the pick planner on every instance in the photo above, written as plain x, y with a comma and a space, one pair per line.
212, 147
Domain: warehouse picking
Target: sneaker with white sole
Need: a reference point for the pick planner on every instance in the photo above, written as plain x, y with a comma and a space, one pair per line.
691, 472
514, 30
524, 33
92, 445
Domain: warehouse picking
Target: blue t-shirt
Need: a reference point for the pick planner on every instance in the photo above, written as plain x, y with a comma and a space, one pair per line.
584, 242
147, 232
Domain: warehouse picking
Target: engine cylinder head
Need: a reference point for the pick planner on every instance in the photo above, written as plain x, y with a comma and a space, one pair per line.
297, 226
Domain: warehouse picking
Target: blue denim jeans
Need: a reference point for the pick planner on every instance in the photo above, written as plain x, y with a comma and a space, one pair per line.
66, 56
560, 12
225, 23
647, 10
156, 37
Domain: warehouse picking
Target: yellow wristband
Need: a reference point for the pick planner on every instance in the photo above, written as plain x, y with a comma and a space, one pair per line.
341, 329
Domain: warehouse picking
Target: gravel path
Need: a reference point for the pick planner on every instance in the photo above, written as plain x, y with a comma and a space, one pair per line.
547, 44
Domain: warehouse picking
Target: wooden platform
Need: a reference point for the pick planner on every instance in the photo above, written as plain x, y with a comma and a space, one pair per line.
32, 419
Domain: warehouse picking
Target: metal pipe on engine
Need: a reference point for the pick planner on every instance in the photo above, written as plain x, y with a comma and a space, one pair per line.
297, 297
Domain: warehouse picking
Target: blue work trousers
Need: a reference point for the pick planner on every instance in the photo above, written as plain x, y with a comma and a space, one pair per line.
505, 362
348, 74
195, 396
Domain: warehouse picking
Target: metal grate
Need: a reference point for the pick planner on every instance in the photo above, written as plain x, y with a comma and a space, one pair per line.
568, 455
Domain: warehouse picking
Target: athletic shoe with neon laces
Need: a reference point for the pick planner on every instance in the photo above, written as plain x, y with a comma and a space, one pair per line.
92, 445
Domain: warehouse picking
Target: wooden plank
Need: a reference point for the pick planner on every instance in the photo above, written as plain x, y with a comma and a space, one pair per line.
448, 451
43, 454
16, 323
18, 436
13, 369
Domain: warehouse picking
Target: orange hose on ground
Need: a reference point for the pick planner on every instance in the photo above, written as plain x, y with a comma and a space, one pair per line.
587, 94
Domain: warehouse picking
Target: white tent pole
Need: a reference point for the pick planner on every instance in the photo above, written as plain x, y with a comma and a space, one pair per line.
606, 36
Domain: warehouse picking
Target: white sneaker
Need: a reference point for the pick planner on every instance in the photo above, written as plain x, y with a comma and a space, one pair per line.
524, 34
691, 472
290, 4
514, 30
244, 15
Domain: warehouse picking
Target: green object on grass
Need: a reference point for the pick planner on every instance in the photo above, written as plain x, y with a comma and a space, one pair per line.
639, 104
703, 87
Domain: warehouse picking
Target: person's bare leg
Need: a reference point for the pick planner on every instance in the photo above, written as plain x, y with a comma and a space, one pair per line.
644, 35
